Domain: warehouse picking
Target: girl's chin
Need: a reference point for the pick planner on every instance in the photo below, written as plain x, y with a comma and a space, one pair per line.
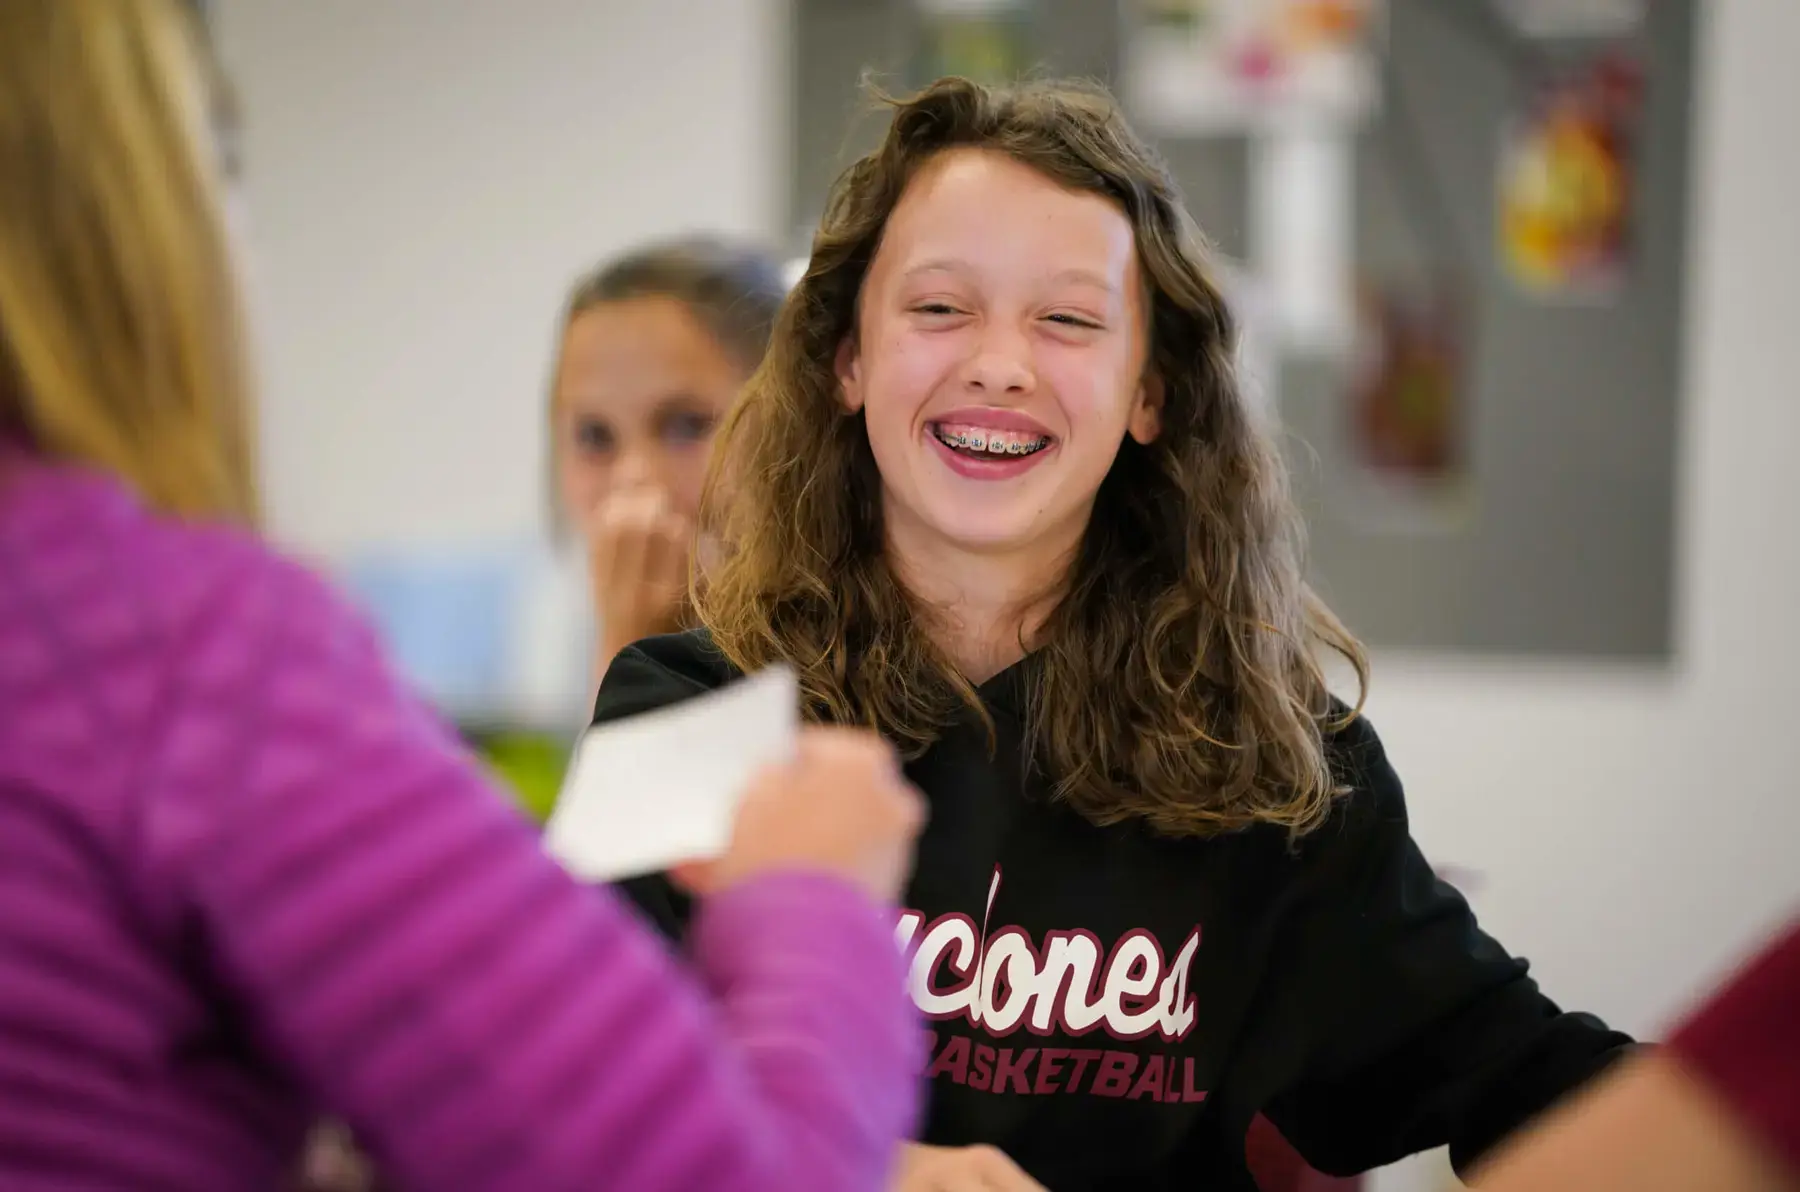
955, 528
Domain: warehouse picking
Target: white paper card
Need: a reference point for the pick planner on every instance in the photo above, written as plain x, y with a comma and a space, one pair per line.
662, 788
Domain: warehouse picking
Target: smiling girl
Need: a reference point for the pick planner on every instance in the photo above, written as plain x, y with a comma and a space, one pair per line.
996, 491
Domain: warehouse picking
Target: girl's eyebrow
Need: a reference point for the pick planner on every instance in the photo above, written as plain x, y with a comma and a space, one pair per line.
937, 265
1077, 275
1085, 277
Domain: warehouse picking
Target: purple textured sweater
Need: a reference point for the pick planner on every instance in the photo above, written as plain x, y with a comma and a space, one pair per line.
246, 879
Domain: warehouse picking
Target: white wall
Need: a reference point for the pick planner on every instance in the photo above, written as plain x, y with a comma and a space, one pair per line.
425, 179
423, 190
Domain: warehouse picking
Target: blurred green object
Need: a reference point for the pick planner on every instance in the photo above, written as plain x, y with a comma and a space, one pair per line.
531, 765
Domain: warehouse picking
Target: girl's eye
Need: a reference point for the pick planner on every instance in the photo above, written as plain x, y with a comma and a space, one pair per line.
936, 308
1068, 320
688, 427
593, 436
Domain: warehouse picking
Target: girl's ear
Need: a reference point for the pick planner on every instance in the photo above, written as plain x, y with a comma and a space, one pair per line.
849, 374
1145, 422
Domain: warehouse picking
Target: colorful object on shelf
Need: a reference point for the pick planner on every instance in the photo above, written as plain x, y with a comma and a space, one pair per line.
1567, 183
1230, 66
1407, 404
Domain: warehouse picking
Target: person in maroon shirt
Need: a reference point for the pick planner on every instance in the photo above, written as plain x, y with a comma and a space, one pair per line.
1716, 1110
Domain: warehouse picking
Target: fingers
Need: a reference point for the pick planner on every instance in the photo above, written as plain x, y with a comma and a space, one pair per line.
961, 1169
839, 805
832, 744
638, 531
864, 757
695, 877
997, 1172
981, 1169
638, 553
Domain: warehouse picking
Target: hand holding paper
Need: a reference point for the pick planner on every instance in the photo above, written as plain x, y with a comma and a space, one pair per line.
663, 788
841, 807
730, 775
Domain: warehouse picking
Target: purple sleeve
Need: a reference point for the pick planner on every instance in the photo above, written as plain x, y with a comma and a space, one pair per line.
396, 938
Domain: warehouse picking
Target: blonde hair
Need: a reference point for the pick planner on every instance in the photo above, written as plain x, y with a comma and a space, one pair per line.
120, 333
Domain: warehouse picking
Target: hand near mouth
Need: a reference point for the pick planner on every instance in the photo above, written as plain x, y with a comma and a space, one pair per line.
639, 548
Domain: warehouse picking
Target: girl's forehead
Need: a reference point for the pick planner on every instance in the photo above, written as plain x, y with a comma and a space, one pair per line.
976, 211
639, 353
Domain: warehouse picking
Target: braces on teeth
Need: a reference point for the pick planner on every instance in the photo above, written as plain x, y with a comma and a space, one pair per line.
980, 443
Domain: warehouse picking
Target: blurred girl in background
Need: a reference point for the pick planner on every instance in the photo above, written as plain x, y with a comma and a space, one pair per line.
245, 878
651, 348
655, 346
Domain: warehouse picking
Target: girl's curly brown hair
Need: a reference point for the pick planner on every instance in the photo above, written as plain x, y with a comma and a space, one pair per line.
1178, 682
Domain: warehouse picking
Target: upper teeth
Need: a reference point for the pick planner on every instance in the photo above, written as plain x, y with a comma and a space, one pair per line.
1000, 442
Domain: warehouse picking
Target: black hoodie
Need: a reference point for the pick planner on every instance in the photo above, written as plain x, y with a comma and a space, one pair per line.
1111, 1008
